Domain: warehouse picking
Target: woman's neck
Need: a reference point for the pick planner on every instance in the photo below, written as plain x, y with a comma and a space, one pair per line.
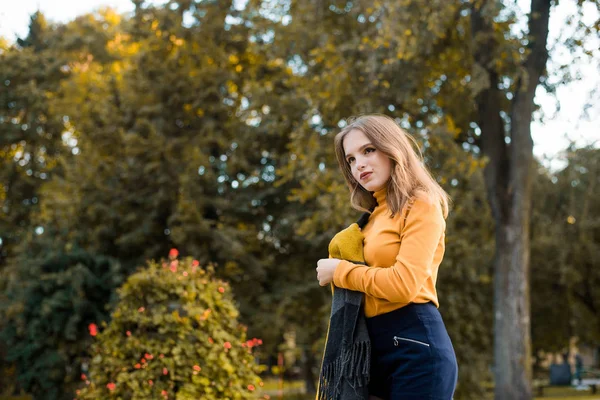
380, 195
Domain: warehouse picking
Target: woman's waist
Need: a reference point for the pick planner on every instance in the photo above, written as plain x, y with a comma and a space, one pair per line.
406, 318
375, 306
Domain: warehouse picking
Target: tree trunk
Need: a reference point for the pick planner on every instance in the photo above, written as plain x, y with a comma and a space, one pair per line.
508, 181
512, 337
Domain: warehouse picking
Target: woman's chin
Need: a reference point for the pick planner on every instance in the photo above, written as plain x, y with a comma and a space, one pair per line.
375, 188
370, 187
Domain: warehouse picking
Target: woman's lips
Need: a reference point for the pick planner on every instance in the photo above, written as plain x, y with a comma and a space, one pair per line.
366, 176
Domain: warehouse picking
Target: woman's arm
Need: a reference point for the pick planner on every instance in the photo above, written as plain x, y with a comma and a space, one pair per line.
401, 282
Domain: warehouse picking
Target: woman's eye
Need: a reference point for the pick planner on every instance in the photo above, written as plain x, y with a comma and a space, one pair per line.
366, 151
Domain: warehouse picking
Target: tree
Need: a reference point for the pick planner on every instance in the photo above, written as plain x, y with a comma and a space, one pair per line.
509, 149
31, 134
50, 305
164, 117
30, 139
564, 252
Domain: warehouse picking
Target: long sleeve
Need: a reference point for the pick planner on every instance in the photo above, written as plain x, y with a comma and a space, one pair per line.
400, 283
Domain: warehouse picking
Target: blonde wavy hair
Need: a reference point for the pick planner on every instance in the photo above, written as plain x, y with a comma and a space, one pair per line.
409, 179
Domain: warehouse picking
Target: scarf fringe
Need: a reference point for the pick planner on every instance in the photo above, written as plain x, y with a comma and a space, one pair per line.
353, 365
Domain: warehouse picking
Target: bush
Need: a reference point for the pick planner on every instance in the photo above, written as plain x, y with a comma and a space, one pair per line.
49, 304
173, 334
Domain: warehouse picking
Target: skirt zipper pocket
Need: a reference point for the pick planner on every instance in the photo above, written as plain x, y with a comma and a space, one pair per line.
396, 338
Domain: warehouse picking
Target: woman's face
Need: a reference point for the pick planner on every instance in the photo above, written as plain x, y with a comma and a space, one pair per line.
370, 167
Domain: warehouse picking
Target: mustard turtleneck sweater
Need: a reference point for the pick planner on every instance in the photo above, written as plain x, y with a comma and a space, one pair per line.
403, 255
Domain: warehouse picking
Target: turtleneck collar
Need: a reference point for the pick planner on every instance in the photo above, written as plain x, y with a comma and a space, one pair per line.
380, 195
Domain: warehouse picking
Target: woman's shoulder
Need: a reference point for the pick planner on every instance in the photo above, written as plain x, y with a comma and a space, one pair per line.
423, 199
419, 199
420, 204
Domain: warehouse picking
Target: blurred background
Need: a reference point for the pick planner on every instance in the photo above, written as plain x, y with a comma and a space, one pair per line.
129, 129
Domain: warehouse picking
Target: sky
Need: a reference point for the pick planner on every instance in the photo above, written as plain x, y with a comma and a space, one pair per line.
563, 120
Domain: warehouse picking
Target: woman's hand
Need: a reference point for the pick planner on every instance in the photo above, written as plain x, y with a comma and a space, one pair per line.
325, 270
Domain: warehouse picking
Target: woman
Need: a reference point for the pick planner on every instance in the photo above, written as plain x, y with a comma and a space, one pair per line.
412, 355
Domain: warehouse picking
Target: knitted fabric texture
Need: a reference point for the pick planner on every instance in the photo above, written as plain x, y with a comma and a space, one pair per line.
347, 358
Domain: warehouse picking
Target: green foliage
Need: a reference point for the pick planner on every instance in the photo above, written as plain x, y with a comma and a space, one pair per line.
174, 334
565, 250
49, 306
30, 139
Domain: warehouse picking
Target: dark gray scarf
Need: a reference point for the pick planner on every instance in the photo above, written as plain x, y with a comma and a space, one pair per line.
345, 370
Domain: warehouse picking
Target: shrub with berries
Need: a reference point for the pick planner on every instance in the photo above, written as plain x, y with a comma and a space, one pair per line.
173, 335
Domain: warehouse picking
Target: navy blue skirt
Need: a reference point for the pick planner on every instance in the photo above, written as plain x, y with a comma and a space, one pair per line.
412, 357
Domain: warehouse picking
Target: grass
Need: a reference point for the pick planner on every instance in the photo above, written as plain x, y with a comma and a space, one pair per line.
25, 397
294, 390
568, 393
